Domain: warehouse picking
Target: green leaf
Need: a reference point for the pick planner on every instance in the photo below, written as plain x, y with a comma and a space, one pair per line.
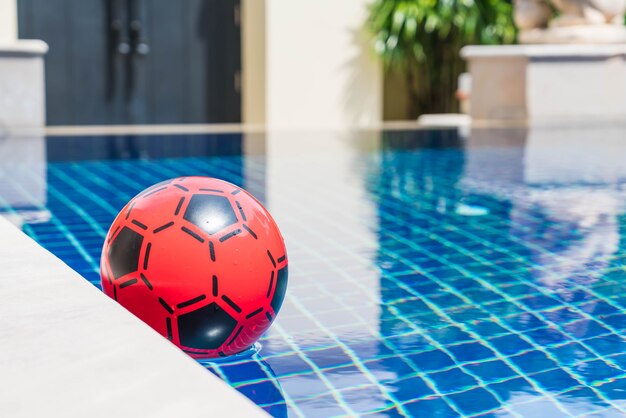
410, 28
426, 36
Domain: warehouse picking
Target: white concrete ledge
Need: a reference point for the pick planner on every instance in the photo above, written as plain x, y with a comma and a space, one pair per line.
209, 128
68, 350
23, 47
545, 51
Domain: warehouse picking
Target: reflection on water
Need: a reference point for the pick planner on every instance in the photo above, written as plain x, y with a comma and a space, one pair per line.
464, 230
23, 179
434, 273
567, 190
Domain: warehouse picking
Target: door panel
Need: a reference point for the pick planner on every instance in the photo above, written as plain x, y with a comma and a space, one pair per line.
187, 75
50, 22
167, 63
223, 62
86, 66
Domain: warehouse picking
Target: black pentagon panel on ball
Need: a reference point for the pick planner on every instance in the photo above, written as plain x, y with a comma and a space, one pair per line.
210, 213
124, 252
206, 328
281, 289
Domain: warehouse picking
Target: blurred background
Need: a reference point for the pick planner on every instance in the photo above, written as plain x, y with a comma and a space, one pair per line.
280, 63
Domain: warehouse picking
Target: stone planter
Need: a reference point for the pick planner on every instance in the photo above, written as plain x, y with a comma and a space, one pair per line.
547, 83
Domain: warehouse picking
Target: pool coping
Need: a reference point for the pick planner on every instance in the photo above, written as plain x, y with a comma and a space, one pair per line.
23, 47
68, 349
543, 50
209, 128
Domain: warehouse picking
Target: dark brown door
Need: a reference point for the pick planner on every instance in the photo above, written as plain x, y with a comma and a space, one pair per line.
138, 61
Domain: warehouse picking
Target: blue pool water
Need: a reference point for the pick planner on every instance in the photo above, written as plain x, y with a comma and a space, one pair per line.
432, 274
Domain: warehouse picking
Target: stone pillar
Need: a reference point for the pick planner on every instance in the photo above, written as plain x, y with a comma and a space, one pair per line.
22, 86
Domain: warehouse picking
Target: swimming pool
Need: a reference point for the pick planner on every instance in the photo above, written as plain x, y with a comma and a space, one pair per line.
432, 273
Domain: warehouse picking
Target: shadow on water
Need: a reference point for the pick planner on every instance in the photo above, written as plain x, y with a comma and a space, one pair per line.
133, 147
253, 377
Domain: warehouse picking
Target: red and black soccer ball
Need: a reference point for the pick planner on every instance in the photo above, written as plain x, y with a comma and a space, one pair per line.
199, 260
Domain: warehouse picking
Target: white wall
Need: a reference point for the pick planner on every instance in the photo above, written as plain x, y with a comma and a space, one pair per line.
319, 68
8, 20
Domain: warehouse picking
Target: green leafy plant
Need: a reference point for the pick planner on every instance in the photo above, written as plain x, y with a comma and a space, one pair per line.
422, 39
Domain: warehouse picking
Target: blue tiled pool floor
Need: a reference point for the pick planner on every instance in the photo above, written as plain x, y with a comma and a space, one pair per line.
425, 281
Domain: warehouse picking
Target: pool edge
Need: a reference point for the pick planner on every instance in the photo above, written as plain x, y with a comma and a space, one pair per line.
68, 349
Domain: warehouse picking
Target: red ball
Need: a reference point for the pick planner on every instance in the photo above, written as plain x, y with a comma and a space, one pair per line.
199, 260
